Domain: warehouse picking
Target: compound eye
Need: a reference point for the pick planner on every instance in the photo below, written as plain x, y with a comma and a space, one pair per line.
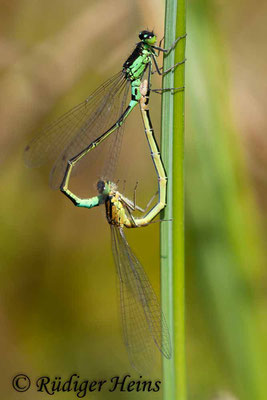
100, 186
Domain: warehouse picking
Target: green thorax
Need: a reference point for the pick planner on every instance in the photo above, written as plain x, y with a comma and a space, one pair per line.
136, 64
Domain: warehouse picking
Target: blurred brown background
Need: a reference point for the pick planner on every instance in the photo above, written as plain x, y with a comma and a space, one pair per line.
58, 298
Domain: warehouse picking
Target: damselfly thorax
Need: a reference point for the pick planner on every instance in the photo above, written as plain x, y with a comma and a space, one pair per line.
116, 205
136, 64
116, 212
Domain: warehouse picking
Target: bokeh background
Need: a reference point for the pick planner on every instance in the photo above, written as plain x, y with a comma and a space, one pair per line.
58, 300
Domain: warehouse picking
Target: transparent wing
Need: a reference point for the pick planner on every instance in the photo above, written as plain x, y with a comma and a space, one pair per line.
144, 324
110, 163
76, 129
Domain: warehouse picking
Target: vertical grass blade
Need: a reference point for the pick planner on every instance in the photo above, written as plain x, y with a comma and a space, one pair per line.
172, 232
228, 260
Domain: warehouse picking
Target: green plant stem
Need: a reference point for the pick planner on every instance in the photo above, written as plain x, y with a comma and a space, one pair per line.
172, 232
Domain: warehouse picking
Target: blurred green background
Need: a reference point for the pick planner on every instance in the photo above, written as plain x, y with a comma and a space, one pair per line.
58, 300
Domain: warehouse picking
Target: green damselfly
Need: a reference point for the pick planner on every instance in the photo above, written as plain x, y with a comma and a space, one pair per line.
88, 124
144, 325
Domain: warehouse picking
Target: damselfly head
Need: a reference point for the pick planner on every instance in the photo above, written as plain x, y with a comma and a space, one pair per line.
148, 37
105, 187
100, 186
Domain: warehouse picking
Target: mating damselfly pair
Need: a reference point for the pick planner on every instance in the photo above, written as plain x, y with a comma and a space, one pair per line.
72, 137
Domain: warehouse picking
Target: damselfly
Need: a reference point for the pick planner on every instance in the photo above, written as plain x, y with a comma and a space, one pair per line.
91, 122
144, 325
